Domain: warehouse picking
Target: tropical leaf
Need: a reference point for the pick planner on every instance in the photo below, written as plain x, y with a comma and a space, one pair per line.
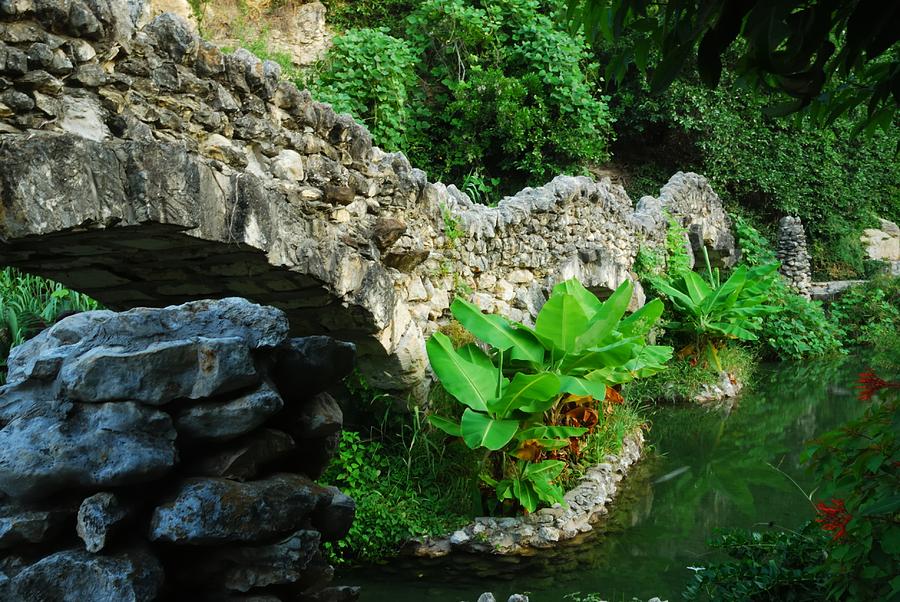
525, 389
582, 386
480, 430
496, 331
562, 321
472, 384
607, 318
551, 432
589, 302
640, 322
545, 471
446, 425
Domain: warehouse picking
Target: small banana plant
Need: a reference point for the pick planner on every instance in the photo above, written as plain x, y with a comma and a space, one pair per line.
513, 381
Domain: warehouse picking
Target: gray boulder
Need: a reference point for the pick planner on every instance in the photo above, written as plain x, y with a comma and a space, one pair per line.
57, 446
98, 517
244, 458
318, 417
78, 576
192, 368
43, 356
308, 365
20, 525
335, 519
229, 419
242, 568
211, 511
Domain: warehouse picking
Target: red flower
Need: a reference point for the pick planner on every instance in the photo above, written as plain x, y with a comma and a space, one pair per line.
869, 383
834, 517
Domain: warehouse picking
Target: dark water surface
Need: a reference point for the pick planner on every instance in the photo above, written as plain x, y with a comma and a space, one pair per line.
709, 469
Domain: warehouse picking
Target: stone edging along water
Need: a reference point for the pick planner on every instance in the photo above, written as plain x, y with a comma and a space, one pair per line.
586, 504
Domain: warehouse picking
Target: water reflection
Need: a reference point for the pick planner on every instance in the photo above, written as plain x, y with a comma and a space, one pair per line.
709, 469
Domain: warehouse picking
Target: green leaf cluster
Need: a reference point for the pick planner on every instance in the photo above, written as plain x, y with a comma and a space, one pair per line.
497, 88
29, 304
512, 383
370, 74
711, 310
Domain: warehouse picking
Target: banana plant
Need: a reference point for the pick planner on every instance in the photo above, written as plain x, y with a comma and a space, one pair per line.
513, 381
712, 310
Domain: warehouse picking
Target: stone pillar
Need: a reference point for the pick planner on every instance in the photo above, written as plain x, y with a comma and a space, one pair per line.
792, 254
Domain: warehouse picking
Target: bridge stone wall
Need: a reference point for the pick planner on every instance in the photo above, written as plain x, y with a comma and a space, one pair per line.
146, 167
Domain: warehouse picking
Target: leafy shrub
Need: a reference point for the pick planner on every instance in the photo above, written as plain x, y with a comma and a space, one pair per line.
800, 329
856, 466
577, 347
833, 180
684, 377
396, 498
369, 75
869, 314
772, 565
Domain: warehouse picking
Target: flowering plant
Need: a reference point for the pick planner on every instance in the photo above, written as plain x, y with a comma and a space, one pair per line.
858, 464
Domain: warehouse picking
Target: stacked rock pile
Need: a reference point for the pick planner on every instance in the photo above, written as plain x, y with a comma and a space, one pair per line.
793, 255
170, 454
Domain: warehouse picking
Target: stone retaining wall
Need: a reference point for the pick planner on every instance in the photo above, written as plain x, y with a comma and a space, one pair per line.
170, 454
586, 504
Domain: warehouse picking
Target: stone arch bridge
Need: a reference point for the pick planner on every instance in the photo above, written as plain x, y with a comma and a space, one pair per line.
144, 167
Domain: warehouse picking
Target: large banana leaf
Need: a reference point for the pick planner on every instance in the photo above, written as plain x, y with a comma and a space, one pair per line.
544, 471
446, 425
640, 322
497, 332
582, 386
614, 354
696, 287
524, 390
589, 302
550, 432
562, 321
480, 430
471, 352
648, 361
606, 320
472, 384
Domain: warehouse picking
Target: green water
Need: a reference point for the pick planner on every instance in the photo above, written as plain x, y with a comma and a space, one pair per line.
709, 469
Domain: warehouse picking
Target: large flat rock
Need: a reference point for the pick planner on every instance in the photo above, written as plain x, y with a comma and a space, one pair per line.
215, 511
58, 446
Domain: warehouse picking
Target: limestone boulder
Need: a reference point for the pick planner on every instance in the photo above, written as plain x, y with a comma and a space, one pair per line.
882, 244
99, 517
242, 568
210, 511
231, 418
60, 445
25, 525
135, 330
244, 458
78, 576
192, 368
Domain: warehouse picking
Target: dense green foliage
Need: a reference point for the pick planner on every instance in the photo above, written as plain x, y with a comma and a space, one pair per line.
402, 488
28, 304
496, 89
856, 466
800, 329
775, 566
830, 56
529, 394
370, 76
771, 167
869, 314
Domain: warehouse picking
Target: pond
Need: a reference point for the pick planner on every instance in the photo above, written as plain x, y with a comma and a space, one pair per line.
708, 469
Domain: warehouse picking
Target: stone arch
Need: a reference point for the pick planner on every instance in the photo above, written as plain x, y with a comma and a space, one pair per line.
172, 172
